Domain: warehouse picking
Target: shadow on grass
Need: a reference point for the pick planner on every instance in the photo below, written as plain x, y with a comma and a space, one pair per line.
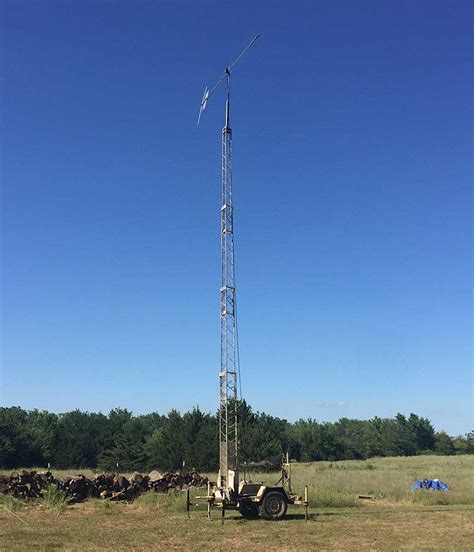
311, 517
288, 517
343, 513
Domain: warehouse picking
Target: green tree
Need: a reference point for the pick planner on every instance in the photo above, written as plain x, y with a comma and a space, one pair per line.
262, 437
129, 449
17, 447
165, 448
74, 444
399, 438
43, 427
444, 444
118, 417
422, 431
310, 441
464, 445
200, 440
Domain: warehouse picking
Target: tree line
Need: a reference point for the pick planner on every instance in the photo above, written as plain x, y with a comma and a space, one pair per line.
120, 440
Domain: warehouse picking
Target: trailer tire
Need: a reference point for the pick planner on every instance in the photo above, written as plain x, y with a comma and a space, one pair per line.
248, 510
273, 506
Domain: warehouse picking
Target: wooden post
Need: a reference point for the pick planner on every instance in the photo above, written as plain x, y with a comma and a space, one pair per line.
289, 471
208, 500
306, 503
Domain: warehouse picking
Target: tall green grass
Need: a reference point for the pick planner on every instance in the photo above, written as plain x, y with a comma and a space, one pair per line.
54, 498
10, 503
387, 479
338, 484
173, 501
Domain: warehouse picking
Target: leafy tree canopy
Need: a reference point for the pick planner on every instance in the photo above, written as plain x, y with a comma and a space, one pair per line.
79, 439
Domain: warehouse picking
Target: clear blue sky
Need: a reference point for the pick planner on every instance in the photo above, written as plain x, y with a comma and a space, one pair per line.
352, 172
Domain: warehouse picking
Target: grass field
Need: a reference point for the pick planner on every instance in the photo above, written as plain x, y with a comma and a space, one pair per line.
397, 519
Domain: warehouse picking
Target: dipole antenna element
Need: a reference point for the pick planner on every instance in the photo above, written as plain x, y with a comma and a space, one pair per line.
225, 75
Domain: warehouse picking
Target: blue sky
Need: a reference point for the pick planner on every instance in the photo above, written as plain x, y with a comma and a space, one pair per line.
352, 174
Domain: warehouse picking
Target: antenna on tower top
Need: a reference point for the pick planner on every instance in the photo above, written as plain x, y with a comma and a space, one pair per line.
225, 75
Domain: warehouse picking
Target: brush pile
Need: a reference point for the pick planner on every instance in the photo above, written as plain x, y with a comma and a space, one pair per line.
109, 486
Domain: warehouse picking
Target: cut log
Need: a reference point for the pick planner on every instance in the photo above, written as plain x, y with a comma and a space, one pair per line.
155, 475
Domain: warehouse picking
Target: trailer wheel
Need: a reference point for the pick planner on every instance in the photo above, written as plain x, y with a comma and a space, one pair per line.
248, 510
273, 506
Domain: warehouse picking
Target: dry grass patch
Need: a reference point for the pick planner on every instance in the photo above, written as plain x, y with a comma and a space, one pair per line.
398, 519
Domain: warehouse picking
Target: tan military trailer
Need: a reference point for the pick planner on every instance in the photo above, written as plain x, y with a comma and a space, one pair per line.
255, 500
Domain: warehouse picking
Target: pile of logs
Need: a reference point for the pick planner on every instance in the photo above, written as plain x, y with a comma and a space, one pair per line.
25, 484
110, 486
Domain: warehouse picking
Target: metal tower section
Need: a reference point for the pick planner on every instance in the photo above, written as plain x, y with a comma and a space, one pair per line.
228, 478
228, 373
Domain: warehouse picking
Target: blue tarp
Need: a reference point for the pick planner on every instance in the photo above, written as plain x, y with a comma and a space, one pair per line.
432, 484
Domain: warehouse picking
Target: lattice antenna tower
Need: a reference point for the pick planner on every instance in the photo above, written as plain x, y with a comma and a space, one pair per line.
228, 478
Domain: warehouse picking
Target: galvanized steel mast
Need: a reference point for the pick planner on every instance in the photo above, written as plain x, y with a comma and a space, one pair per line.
228, 373
228, 479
